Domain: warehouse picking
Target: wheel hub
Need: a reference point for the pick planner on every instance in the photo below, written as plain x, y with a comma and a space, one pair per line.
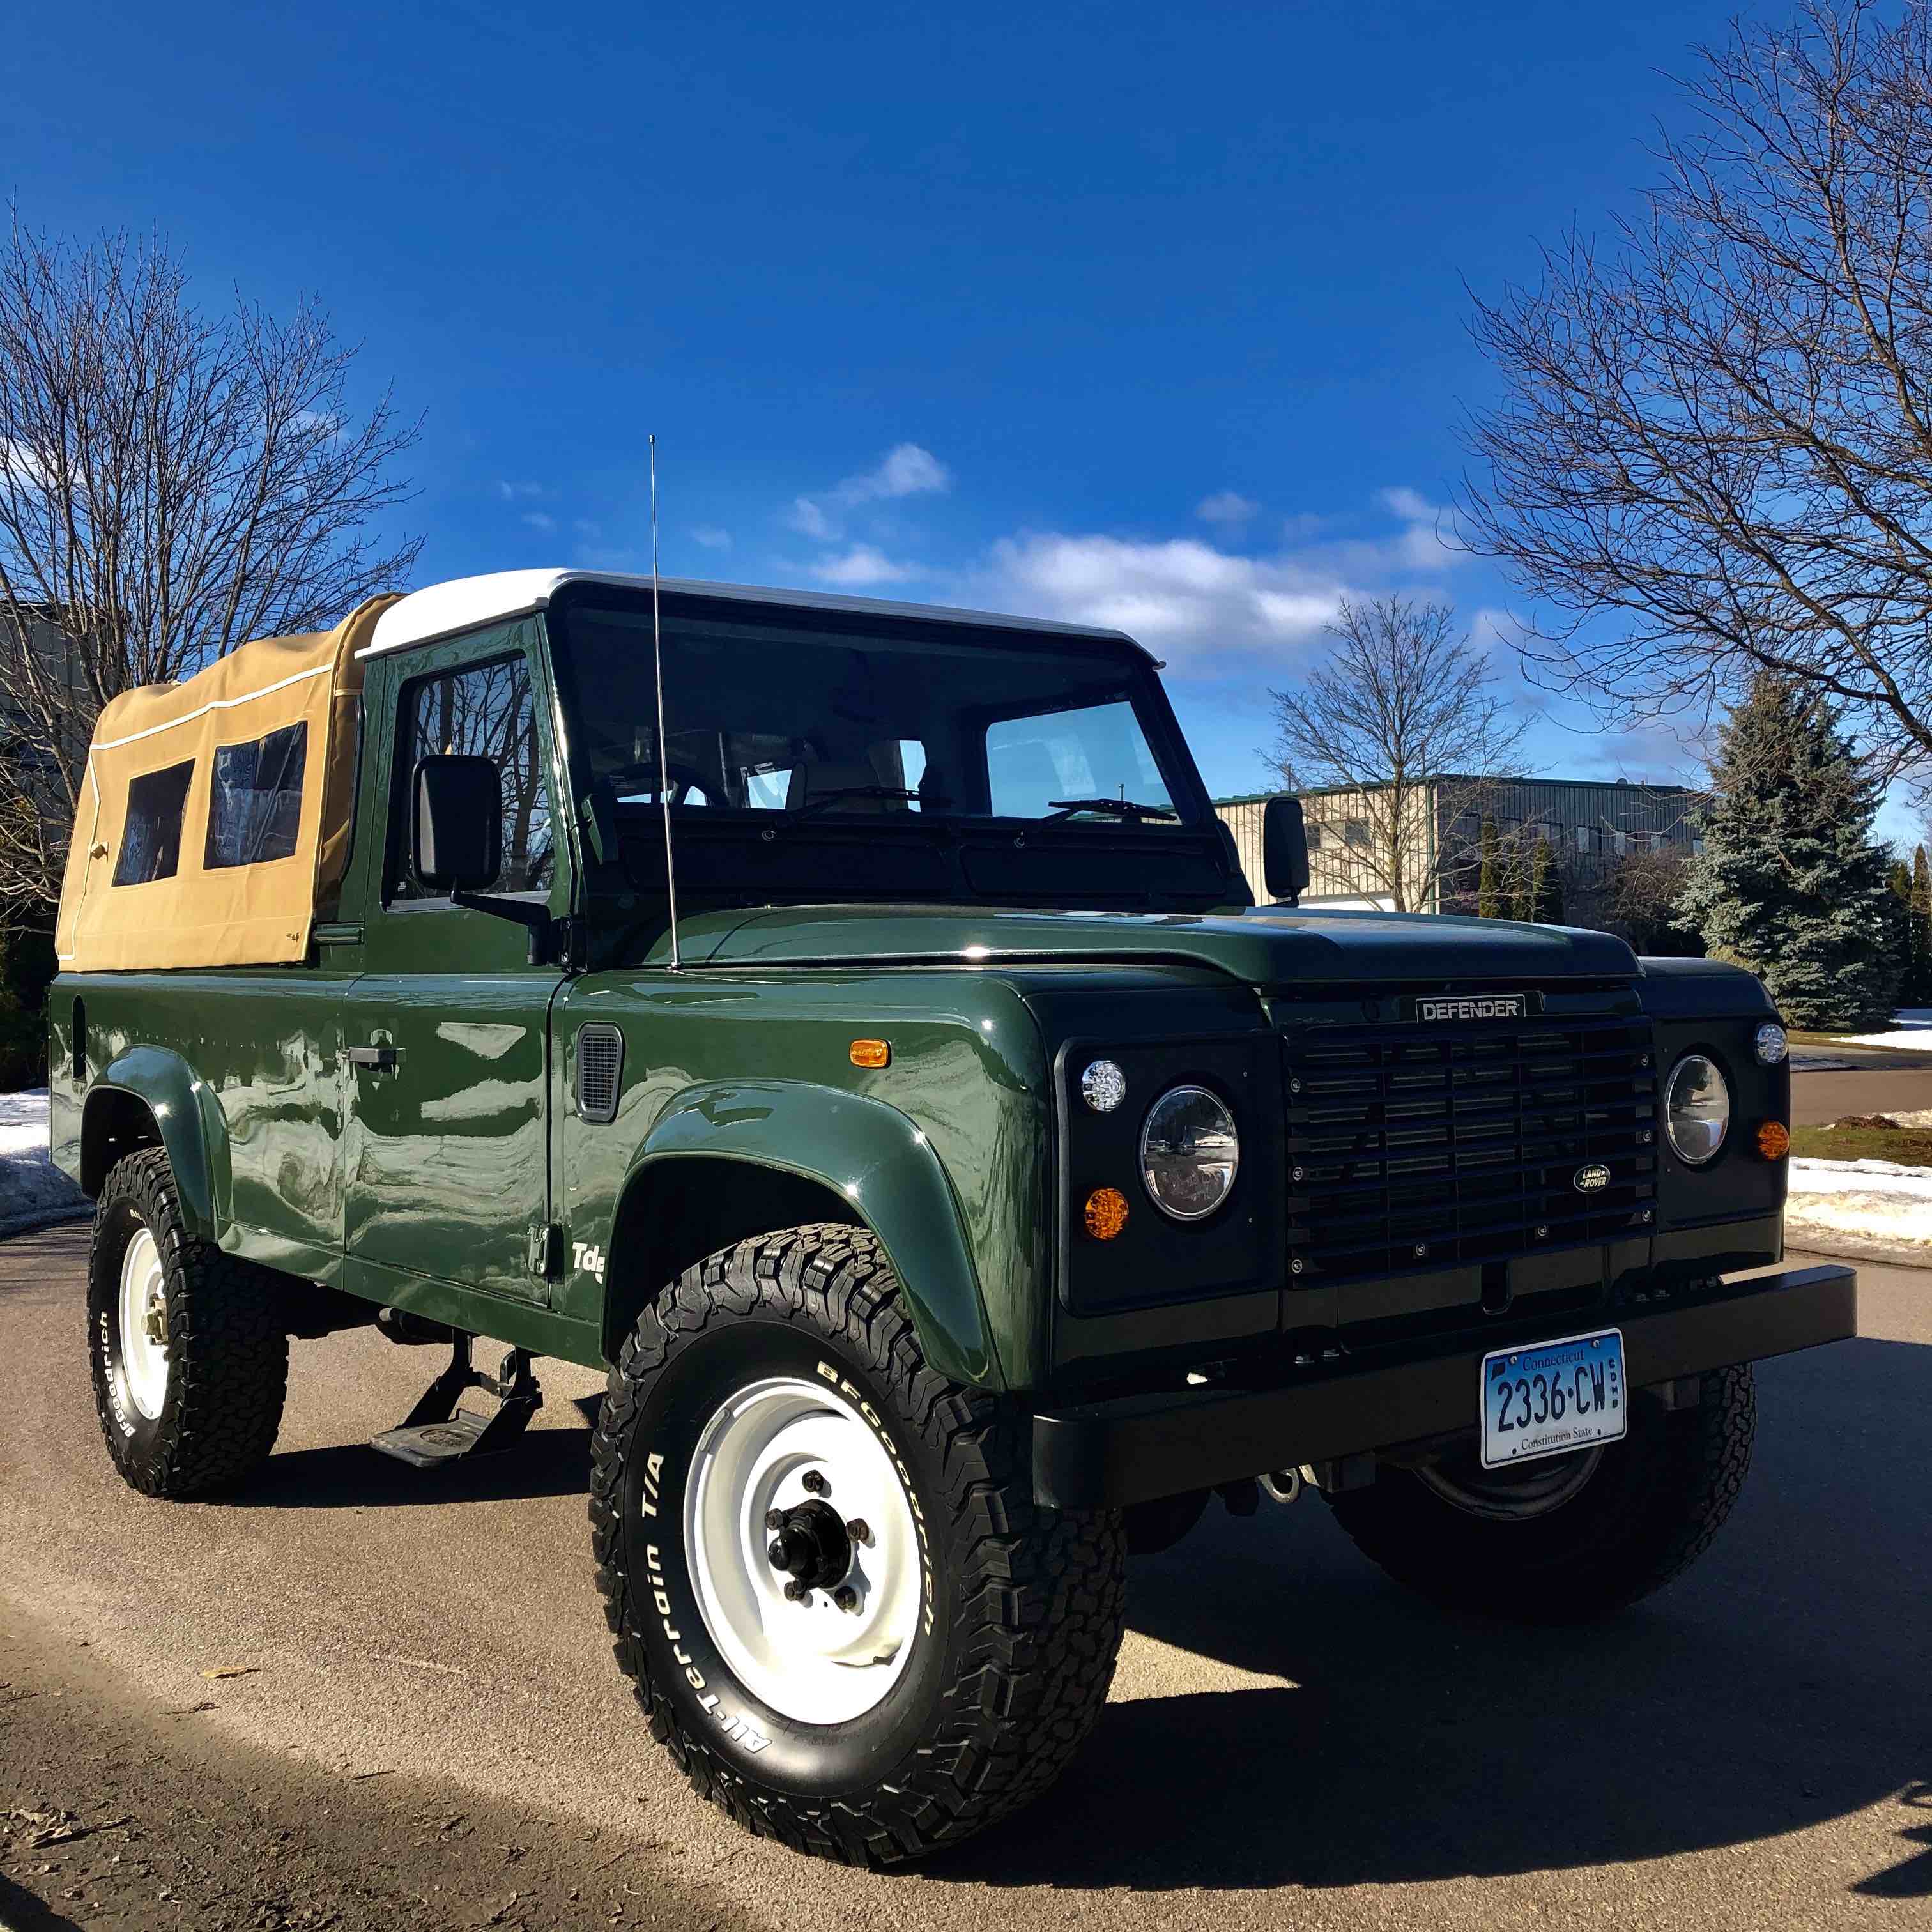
810, 1544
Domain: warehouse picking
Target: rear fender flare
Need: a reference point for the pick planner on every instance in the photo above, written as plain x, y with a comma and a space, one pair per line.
879, 1161
187, 1121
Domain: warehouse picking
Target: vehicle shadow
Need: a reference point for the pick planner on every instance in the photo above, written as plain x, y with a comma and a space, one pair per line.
352, 1475
1781, 1683
20, 1911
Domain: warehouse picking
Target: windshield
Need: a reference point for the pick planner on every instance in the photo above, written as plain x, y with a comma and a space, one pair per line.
779, 715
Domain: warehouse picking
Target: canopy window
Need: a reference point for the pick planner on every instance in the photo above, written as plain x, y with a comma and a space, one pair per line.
213, 826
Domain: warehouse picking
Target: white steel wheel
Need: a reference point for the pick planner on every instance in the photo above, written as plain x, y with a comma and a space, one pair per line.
803, 1551
144, 1324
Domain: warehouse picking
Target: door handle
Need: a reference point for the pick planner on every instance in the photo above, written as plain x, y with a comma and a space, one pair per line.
381, 1058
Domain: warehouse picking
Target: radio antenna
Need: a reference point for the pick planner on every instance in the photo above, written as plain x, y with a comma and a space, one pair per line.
664, 749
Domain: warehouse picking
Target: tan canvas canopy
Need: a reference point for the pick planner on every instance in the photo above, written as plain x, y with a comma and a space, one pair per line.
214, 818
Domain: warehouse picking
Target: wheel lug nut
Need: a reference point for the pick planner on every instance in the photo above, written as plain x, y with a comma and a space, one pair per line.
845, 1597
775, 1518
796, 1592
816, 1483
858, 1530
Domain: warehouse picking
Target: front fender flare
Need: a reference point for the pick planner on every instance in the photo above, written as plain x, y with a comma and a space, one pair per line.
880, 1162
192, 1129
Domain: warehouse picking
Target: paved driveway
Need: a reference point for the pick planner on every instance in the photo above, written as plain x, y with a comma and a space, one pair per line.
1292, 1742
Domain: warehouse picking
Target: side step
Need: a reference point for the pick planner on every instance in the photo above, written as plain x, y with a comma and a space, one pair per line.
436, 1431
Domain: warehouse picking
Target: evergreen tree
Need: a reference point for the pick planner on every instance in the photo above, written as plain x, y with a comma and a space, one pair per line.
1546, 886
1791, 884
1919, 951
1911, 960
1516, 883
1489, 882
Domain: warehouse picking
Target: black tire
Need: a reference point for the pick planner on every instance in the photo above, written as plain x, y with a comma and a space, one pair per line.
1649, 1508
228, 1357
1021, 1606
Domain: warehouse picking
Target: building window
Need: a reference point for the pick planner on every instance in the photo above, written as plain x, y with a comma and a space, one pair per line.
1355, 834
1586, 838
1696, 848
151, 840
1316, 832
254, 804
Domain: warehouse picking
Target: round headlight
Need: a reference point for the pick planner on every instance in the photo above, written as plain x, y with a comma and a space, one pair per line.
1696, 1109
1188, 1153
1771, 1043
1103, 1086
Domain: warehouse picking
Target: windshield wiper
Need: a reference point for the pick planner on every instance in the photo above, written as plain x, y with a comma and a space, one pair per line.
1119, 807
820, 800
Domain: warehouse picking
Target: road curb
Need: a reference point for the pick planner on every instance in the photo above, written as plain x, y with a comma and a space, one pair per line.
1851, 1248
47, 1217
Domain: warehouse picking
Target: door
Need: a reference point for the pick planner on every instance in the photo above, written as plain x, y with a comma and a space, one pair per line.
448, 1030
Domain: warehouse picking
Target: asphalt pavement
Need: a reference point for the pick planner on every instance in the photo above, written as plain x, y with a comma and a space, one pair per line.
430, 1730
1899, 1085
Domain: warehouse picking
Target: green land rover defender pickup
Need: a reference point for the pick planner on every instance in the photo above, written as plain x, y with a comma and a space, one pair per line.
864, 1044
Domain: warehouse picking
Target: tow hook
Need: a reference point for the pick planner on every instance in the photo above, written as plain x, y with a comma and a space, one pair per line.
1284, 1485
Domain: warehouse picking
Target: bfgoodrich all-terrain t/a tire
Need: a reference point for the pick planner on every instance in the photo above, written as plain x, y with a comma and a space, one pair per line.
190, 1362
1571, 1538
844, 1615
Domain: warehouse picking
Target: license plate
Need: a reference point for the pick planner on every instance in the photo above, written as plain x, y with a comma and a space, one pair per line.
1542, 1400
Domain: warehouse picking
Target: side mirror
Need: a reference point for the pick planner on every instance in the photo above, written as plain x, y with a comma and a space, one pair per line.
1284, 848
456, 833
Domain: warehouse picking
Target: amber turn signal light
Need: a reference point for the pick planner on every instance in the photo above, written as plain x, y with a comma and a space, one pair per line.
871, 1053
1106, 1212
1773, 1140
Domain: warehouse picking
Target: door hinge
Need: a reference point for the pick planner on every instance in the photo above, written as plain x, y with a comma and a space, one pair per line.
547, 1252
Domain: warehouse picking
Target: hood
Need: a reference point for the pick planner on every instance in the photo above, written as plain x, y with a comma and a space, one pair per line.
1274, 946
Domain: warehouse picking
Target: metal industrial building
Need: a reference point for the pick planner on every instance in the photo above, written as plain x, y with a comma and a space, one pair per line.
1590, 824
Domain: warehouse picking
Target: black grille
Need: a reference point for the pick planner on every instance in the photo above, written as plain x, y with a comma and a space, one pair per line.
600, 1062
1420, 1146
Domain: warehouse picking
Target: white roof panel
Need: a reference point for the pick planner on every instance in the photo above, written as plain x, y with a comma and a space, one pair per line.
465, 602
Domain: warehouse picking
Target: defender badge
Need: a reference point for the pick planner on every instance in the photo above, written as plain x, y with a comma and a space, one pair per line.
1592, 1179
1474, 1006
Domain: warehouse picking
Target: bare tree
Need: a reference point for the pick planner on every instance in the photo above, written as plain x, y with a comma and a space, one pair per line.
1713, 453
1402, 714
172, 484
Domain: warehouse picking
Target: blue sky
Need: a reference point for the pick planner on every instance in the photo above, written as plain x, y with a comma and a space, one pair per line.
1149, 315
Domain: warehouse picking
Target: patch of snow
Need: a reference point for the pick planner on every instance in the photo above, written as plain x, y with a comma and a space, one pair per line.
33, 1191
1913, 1039
1879, 1205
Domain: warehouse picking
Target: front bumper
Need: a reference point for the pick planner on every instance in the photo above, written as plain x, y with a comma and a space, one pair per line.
1105, 1455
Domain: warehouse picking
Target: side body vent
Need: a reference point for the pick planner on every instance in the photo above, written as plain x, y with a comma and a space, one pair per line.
600, 1066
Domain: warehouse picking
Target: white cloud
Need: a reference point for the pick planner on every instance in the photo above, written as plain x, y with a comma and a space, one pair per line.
537, 520
904, 470
1226, 507
809, 519
712, 537
1429, 542
861, 564
1194, 603
24, 464
1411, 505
512, 492
907, 471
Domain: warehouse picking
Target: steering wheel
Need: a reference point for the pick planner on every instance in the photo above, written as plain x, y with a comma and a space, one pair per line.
685, 779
